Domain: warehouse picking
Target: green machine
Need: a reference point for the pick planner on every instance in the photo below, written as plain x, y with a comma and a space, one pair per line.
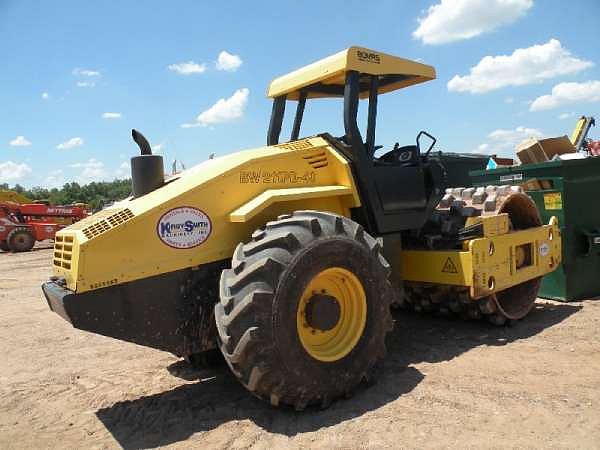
459, 165
568, 190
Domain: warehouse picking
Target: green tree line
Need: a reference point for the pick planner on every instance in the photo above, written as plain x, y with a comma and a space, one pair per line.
96, 195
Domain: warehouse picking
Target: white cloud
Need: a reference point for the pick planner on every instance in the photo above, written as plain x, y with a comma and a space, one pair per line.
227, 61
13, 171
111, 115
568, 93
187, 68
93, 170
85, 84
19, 141
503, 141
191, 125
524, 66
91, 162
87, 77
158, 147
564, 116
45, 95
71, 143
509, 100
518, 134
123, 171
55, 178
86, 72
456, 20
224, 110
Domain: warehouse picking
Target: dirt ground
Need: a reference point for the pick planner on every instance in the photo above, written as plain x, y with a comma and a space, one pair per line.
445, 384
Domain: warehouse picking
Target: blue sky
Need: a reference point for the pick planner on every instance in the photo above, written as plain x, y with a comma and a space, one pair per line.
67, 63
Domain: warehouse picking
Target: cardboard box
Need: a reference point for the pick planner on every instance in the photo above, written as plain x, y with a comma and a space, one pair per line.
540, 150
503, 162
534, 184
531, 185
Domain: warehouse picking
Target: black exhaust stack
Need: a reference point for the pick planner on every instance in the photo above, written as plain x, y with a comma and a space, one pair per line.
147, 170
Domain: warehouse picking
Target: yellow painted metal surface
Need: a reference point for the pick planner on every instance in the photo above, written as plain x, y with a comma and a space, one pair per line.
122, 242
332, 71
332, 345
489, 264
444, 267
249, 210
579, 126
492, 225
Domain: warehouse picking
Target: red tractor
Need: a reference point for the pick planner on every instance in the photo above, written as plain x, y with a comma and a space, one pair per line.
22, 225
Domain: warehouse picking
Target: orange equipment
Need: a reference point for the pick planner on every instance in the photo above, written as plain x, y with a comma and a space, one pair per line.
22, 225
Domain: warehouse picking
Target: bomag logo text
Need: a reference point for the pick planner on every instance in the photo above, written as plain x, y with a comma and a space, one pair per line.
368, 57
277, 177
187, 227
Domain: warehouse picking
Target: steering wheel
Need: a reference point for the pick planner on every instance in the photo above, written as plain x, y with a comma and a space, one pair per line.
408, 155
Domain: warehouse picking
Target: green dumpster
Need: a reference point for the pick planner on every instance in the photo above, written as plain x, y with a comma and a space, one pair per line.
570, 190
458, 166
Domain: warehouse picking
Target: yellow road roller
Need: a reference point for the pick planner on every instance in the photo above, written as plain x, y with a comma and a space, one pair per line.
288, 257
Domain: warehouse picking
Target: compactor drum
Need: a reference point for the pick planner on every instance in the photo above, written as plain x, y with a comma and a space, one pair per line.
288, 257
504, 209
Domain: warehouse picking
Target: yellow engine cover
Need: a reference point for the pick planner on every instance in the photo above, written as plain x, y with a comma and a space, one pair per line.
200, 215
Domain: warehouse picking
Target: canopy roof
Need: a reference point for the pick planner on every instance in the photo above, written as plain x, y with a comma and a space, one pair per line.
325, 78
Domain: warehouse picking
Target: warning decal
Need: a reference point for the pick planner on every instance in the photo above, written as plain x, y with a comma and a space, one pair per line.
449, 266
553, 200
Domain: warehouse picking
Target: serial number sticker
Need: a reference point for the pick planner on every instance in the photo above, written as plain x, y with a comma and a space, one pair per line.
277, 177
104, 283
512, 177
553, 200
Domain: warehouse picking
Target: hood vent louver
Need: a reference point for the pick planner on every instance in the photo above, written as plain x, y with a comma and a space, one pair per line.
63, 251
317, 159
303, 144
102, 221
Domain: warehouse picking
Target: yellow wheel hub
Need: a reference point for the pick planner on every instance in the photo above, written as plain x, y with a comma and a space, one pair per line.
338, 294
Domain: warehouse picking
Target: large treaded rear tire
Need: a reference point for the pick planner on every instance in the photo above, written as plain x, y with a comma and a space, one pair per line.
4, 246
256, 317
20, 240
